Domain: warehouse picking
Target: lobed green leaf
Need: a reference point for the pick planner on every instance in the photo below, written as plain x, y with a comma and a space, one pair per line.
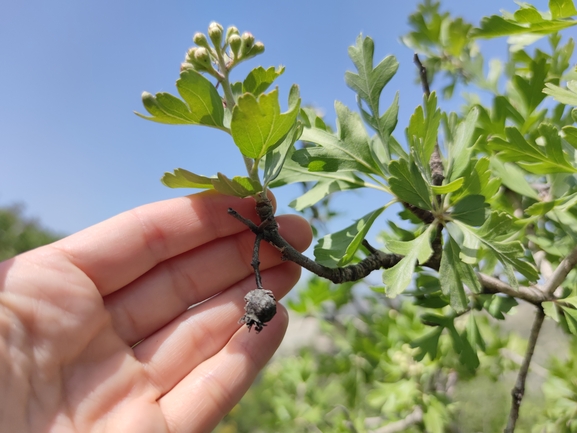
202, 104
258, 126
182, 178
408, 185
259, 79
338, 249
348, 149
397, 278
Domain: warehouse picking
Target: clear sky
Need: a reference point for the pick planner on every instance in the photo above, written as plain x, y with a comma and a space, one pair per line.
72, 72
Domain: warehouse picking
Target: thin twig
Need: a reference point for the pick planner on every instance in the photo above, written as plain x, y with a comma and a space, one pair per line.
255, 261
423, 75
519, 390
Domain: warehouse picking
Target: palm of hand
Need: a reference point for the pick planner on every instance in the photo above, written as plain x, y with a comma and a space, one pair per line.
97, 334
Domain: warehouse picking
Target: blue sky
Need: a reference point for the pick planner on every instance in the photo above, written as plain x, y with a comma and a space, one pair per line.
71, 75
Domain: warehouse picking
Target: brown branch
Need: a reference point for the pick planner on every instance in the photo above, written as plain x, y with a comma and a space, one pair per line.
424, 215
423, 75
268, 231
566, 265
530, 294
519, 389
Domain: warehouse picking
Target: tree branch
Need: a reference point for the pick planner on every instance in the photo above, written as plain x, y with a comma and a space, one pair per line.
519, 390
566, 265
436, 163
530, 294
268, 231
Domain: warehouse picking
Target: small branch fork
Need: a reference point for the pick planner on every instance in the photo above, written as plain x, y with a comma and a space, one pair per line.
268, 230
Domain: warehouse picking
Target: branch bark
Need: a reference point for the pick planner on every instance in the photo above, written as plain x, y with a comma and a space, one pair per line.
530, 294
518, 391
268, 231
566, 265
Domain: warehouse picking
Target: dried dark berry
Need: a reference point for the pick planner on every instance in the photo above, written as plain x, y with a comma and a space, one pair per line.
260, 308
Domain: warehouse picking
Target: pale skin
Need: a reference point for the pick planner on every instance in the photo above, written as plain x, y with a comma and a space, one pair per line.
72, 313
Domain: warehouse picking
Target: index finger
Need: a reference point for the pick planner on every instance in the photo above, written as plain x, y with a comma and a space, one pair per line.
117, 251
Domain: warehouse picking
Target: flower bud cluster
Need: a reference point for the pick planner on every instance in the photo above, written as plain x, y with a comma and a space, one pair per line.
203, 57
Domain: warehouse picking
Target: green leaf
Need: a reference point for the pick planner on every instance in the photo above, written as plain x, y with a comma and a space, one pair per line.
513, 178
237, 186
323, 188
534, 158
397, 278
564, 96
460, 149
509, 253
260, 79
348, 149
202, 104
293, 172
478, 181
408, 185
562, 8
571, 317
497, 305
338, 249
182, 178
428, 344
369, 82
474, 335
257, 126
449, 277
470, 210
551, 310
275, 159
570, 135
450, 187
423, 128
531, 88
435, 416
495, 26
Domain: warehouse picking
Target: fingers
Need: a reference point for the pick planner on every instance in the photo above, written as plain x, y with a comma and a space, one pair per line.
119, 250
221, 381
174, 285
172, 353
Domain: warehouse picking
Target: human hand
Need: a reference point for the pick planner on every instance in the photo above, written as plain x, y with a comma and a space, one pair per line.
72, 313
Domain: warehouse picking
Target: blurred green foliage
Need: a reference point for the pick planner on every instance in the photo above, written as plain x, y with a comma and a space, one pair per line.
19, 234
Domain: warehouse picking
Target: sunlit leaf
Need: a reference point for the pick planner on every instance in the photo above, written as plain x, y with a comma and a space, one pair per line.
565, 96
348, 149
260, 79
534, 158
460, 149
450, 187
237, 186
182, 178
202, 104
258, 125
